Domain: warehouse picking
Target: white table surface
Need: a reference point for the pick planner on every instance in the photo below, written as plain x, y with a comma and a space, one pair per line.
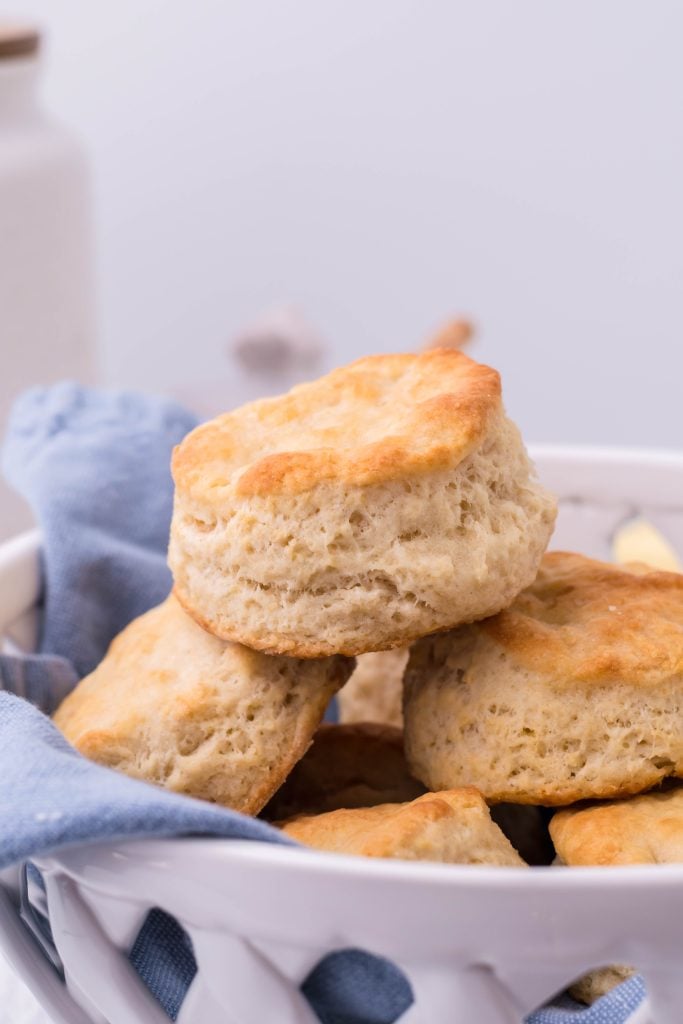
17, 1003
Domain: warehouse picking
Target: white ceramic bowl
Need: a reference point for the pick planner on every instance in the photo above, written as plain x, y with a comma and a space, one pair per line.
481, 945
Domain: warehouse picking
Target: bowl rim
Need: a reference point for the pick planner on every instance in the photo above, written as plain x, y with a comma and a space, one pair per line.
97, 862
621, 454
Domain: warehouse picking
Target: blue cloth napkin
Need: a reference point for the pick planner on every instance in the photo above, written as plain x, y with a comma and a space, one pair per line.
95, 467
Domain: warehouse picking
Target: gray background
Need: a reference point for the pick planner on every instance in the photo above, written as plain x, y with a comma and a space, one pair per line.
382, 164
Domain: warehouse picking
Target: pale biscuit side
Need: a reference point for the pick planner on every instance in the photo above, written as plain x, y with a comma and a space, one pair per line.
173, 705
349, 570
374, 693
475, 717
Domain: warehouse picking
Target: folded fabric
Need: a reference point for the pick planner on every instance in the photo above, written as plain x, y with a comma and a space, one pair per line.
94, 466
51, 796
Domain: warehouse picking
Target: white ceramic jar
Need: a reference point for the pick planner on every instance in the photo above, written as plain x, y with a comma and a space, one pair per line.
46, 294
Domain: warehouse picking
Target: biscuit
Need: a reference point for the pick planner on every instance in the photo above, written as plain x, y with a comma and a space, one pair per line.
454, 827
358, 765
387, 500
173, 705
573, 692
646, 829
598, 983
374, 693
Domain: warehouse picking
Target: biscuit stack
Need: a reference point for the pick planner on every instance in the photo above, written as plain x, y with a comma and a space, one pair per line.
388, 507
389, 500
389, 512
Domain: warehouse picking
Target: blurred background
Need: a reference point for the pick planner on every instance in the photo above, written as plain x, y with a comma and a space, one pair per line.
359, 173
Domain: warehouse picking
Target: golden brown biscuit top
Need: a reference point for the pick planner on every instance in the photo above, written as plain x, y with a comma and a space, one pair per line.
378, 419
643, 830
396, 830
587, 621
